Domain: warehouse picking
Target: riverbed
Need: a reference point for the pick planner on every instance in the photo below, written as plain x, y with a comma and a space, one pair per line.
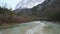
34, 27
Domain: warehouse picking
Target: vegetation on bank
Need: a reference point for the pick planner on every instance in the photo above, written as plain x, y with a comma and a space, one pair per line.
54, 17
7, 16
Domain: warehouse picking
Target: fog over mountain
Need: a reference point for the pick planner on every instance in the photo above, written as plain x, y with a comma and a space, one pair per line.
28, 3
42, 10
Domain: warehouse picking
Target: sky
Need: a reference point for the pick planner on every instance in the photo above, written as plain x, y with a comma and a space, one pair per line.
10, 3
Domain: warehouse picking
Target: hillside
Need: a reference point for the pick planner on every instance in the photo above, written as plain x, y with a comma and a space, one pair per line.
8, 17
48, 10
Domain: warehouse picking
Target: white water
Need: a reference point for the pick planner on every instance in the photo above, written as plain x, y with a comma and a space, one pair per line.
35, 27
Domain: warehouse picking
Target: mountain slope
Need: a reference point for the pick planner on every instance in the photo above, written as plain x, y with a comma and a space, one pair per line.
44, 10
28, 3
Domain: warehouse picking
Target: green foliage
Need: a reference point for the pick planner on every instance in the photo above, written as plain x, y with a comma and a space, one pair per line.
6, 15
34, 11
55, 16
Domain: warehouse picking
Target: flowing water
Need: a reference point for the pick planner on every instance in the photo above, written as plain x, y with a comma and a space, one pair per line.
35, 27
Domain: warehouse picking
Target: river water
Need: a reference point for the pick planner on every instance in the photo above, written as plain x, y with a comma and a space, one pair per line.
34, 27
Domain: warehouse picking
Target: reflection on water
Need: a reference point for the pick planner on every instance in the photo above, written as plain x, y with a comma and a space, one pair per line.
35, 27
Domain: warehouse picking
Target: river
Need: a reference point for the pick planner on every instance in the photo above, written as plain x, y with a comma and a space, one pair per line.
34, 27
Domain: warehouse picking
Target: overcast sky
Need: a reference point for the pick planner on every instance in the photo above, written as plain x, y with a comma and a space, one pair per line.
10, 3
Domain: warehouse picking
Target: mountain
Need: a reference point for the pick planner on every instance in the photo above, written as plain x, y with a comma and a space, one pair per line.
43, 10
50, 10
25, 12
28, 3
25, 5
38, 7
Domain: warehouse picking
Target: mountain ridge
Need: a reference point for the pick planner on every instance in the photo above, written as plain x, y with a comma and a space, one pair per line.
28, 3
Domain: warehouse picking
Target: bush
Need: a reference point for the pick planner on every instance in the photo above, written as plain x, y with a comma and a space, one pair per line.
54, 17
6, 15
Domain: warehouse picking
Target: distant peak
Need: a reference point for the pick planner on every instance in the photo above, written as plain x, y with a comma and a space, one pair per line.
28, 3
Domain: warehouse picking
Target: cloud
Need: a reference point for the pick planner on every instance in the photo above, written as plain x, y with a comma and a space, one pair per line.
29, 3
12, 3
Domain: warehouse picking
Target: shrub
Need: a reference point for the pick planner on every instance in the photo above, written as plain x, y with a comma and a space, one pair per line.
55, 16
